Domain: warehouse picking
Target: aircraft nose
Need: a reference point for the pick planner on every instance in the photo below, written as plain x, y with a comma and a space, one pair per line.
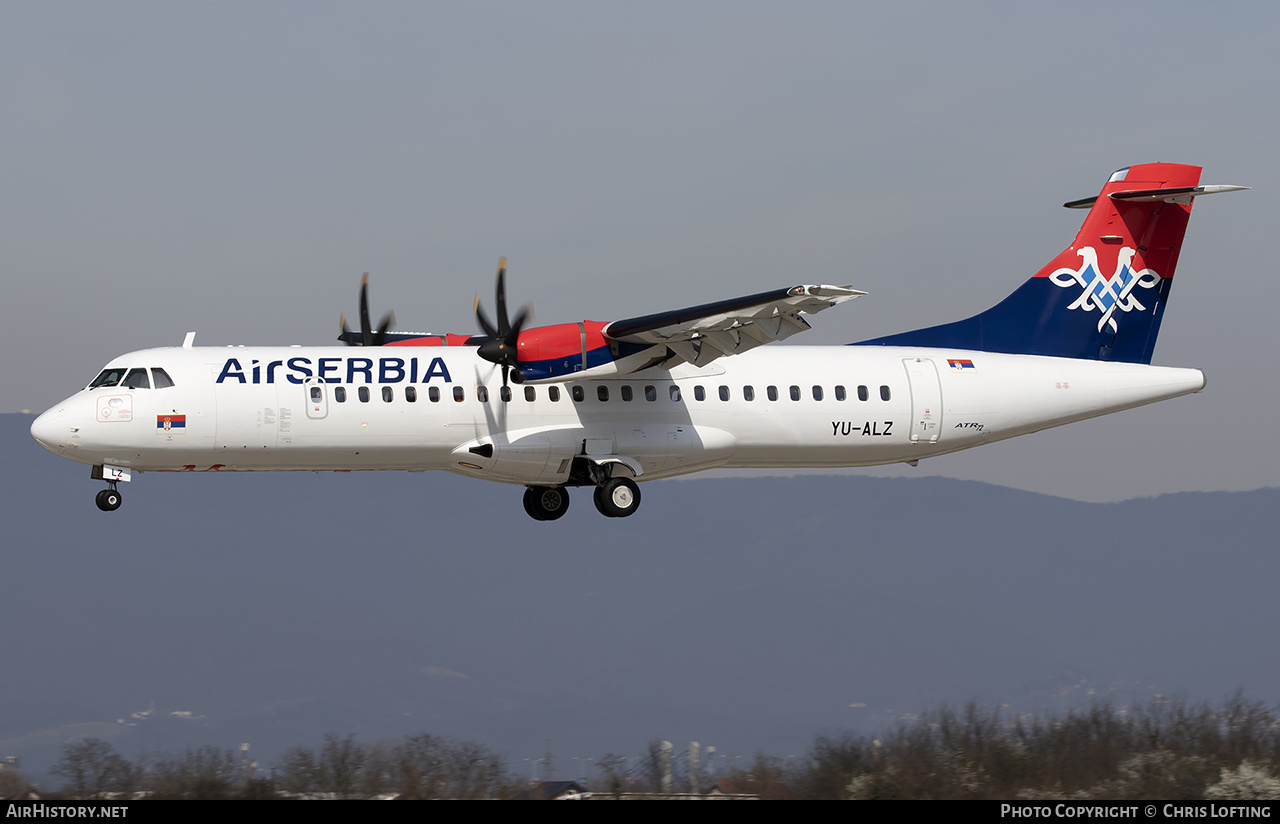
50, 430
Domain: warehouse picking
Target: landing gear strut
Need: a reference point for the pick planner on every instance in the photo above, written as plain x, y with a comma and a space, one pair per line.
108, 500
614, 497
617, 497
546, 503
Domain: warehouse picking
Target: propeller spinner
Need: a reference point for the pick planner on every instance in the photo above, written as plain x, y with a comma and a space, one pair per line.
501, 346
368, 336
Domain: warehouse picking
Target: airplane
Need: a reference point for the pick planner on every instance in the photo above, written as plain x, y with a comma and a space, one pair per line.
607, 405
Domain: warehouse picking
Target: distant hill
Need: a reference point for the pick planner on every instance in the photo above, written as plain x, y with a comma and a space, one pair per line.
744, 613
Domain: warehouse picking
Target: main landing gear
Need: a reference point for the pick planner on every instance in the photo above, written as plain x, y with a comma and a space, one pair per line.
546, 503
108, 500
615, 498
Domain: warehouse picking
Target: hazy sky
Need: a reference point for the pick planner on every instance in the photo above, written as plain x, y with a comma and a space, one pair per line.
232, 168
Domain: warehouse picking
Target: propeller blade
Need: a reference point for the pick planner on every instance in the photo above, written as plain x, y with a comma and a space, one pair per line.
368, 335
502, 348
484, 321
525, 314
504, 323
380, 336
366, 330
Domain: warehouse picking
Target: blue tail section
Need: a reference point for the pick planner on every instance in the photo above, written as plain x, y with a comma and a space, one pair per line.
1104, 296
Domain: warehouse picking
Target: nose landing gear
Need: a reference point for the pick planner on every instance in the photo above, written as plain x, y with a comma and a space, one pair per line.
108, 500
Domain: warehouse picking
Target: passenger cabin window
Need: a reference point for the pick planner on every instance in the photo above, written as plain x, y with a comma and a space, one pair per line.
817, 393
339, 393
675, 393
316, 396
884, 393
411, 394
553, 393
795, 393
433, 394
699, 394
772, 392
482, 394
109, 377
724, 393
387, 394
458, 394
602, 393
530, 393
862, 393
626, 393
137, 379
840, 393
748, 393
160, 378
363, 394
650, 393
578, 394
505, 394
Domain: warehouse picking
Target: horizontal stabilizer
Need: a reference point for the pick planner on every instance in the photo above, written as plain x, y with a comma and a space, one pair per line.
1181, 194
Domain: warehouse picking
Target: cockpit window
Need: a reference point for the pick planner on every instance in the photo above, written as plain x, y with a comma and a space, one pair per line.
137, 379
161, 378
109, 377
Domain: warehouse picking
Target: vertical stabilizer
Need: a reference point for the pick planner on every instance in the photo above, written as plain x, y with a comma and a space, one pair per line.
1104, 296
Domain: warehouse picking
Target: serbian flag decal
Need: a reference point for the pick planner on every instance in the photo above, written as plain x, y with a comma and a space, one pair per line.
958, 365
171, 424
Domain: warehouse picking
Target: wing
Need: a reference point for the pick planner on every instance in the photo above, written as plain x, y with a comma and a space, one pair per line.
700, 334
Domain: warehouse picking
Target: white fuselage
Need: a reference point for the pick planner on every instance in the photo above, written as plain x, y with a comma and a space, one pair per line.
282, 408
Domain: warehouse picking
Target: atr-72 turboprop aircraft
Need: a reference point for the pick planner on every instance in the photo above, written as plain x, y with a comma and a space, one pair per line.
604, 405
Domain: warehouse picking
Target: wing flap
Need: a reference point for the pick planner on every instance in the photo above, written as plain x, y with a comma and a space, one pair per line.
701, 334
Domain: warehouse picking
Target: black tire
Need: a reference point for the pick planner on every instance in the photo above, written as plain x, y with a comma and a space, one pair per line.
618, 498
108, 500
546, 503
598, 498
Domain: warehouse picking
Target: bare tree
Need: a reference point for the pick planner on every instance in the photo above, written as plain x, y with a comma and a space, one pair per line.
420, 760
92, 768
12, 783
340, 765
299, 771
615, 774
203, 773
435, 767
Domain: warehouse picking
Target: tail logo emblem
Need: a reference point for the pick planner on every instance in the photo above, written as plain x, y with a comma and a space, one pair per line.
1106, 295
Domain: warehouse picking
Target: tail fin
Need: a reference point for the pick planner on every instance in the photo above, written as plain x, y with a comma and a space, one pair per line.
1103, 297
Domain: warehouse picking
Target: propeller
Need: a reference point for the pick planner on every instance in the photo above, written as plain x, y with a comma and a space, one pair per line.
501, 346
368, 336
